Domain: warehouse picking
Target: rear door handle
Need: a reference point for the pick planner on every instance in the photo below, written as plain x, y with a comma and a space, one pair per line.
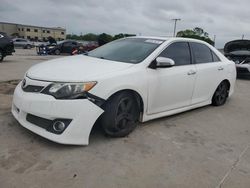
220, 68
191, 72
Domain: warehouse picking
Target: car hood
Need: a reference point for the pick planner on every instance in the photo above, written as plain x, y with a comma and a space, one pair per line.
75, 69
238, 47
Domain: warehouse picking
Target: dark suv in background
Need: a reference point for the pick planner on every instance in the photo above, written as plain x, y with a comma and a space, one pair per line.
63, 47
6, 46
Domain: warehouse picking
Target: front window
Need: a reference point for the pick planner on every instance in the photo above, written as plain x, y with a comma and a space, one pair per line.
129, 50
179, 52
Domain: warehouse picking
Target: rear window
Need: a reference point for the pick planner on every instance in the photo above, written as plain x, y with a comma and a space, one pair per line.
202, 53
215, 57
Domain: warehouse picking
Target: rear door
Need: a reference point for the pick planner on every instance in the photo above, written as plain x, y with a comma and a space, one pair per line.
210, 72
17, 43
171, 88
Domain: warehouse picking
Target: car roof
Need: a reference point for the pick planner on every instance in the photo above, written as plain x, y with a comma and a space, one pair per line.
170, 39
19, 39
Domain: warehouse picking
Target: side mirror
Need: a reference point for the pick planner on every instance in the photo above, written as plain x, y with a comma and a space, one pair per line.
163, 62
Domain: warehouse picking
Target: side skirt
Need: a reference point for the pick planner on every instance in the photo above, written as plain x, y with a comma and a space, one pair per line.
147, 117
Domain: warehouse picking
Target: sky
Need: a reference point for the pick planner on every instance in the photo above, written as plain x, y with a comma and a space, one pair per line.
225, 19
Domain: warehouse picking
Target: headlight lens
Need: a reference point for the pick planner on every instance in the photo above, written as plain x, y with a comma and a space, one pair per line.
68, 90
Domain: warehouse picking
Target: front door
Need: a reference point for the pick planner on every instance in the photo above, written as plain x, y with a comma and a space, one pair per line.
172, 88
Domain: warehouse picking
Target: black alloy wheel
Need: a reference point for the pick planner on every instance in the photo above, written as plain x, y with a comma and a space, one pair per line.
121, 115
57, 52
221, 94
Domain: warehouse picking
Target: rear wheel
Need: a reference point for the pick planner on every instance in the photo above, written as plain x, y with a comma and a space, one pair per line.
28, 46
1, 55
57, 52
221, 94
121, 115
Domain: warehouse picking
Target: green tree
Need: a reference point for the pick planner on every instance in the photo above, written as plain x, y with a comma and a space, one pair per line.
73, 37
196, 33
118, 36
122, 35
90, 37
104, 38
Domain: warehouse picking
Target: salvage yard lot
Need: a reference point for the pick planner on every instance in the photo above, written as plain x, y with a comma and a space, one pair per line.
206, 147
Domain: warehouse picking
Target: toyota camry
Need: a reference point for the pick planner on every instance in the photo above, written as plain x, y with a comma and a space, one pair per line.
124, 82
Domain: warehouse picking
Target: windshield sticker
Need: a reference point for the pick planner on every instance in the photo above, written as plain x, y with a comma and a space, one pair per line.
154, 41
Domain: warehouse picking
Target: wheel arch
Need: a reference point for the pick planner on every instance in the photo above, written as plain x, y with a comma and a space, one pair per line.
228, 83
139, 98
225, 80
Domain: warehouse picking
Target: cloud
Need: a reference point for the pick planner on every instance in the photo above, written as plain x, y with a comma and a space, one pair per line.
227, 20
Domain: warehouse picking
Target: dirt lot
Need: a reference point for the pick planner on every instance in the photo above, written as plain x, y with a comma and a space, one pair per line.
206, 147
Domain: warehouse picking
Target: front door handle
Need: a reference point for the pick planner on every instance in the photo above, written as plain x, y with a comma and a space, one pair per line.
191, 72
220, 68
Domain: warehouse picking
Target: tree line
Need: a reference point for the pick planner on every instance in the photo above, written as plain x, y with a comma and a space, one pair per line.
102, 38
196, 33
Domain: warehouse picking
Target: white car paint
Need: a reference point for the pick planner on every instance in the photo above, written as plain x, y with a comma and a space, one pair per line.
163, 91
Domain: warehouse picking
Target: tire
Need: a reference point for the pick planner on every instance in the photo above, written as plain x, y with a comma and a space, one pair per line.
221, 94
28, 46
57, 52
1, 56
121, 115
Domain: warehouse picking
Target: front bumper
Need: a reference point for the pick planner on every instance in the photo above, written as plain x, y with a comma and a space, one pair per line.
82, 112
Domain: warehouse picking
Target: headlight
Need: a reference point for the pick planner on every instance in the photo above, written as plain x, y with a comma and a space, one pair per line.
68, 90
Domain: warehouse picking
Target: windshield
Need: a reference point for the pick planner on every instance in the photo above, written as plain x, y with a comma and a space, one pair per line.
129, 50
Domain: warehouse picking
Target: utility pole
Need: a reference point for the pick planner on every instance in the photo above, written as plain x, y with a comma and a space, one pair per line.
175, 23
243, 36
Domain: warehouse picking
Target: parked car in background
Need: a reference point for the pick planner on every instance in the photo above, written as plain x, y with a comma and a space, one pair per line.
239, 52
23, 43
63, 47
89, 45
6, 46
120, 83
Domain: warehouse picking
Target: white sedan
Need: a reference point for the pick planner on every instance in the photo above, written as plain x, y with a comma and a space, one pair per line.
123, 82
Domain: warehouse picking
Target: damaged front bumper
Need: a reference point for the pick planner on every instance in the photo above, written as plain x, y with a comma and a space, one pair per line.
39, 113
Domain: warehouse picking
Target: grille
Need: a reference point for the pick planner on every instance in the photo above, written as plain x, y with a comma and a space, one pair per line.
33, 89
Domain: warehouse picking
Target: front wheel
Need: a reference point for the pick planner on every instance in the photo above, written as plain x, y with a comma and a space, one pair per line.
221, 94
121, 115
